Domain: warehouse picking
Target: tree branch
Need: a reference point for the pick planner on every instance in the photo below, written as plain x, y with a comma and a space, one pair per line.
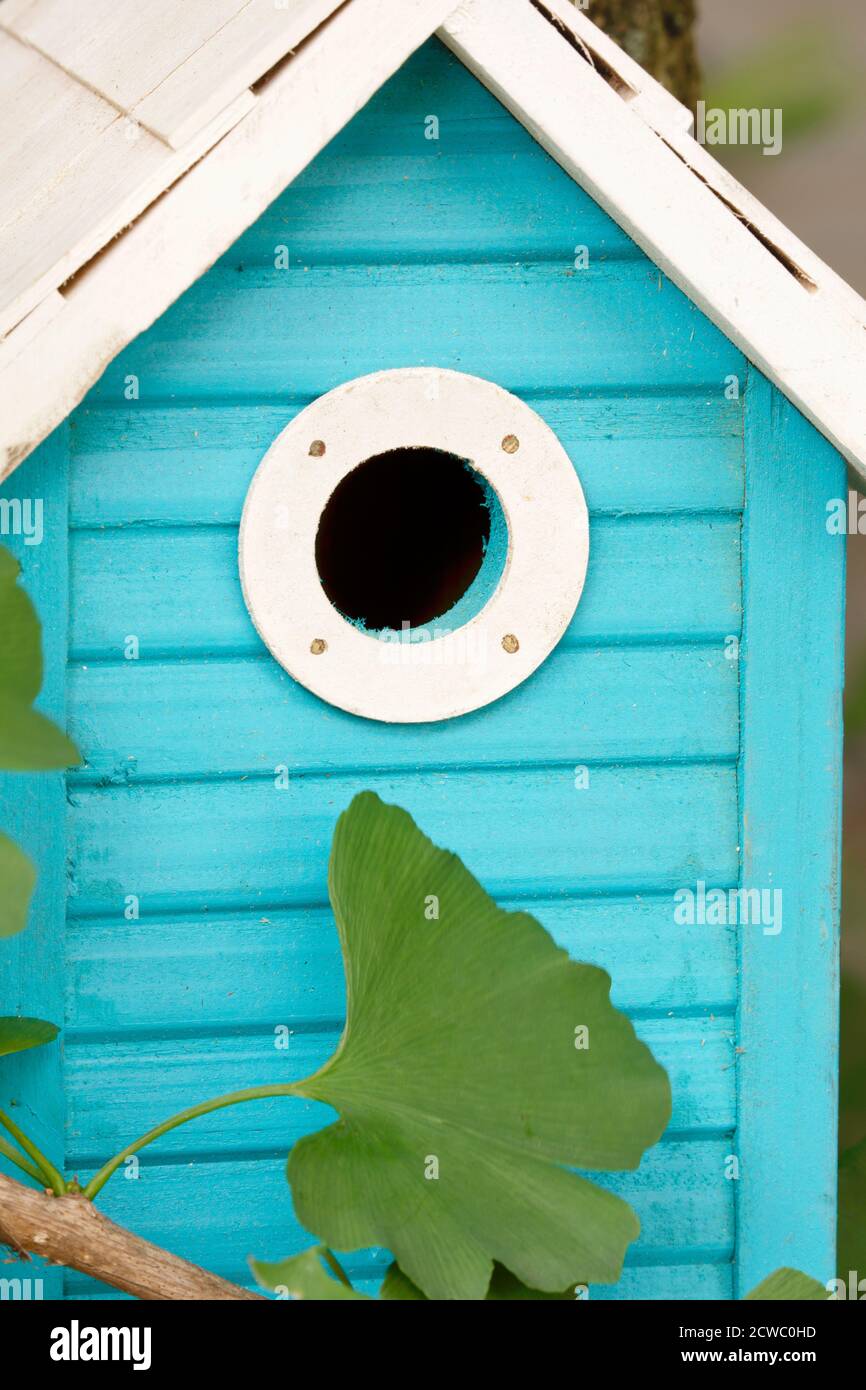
70, 1231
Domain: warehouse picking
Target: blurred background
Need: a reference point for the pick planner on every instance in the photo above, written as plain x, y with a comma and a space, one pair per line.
810, 60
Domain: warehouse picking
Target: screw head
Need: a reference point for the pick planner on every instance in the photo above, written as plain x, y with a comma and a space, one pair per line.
511, 444
510, 643
317, 448
318, 645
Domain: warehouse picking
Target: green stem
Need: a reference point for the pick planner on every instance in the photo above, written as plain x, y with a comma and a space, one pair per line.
98, 1181
52, 1177
20, 1161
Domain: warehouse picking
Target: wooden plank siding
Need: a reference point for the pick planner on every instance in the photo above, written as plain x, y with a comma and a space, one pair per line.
458, 252
790, 791
402, 250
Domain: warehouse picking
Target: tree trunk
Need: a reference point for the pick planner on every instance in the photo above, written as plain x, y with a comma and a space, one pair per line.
658, 34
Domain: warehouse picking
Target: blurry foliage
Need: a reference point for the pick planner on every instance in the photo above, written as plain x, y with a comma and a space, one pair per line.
802, 71
852, 1212
852, 1074
855, 700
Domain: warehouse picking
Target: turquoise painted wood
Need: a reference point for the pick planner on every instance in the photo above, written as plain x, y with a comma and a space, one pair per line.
790, 780
706, 763
32, 812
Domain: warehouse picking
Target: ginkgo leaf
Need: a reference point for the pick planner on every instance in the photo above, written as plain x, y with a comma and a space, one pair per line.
19, 1034
477, 1061
28, 741
21, 649
310, 1275
788, 1285
503, 1288
17, 881
31, 743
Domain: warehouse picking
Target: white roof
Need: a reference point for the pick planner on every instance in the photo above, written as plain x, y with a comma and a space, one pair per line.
140, 140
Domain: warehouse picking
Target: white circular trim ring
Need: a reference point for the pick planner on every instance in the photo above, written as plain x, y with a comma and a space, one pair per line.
540, 586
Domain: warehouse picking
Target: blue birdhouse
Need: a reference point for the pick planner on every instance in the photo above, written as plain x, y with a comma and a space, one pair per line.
420, 408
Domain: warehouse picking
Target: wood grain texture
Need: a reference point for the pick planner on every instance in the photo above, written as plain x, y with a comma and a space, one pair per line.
790, 776
237, 54
29, 328
72, 120
178, 591
158, 1204
241, 843
246, 969
173, 68
683, 1282
32, 812
70, 1231
87, 172
117, 1088
302, 334
121, 49
584, 705
192, 466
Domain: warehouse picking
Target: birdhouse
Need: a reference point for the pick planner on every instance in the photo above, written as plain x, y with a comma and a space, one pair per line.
398, 396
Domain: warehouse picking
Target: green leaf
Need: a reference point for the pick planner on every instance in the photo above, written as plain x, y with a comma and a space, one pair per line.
21, 648
852, 1212
17, 881
306, 1276
461, 1090
397, 1288
503, 1288
789, 1285
20, 1034
30, 742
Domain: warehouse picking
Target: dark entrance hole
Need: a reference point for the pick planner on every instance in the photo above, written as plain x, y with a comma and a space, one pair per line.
402, 537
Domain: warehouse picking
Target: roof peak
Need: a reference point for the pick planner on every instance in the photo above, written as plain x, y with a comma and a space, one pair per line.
166, 153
